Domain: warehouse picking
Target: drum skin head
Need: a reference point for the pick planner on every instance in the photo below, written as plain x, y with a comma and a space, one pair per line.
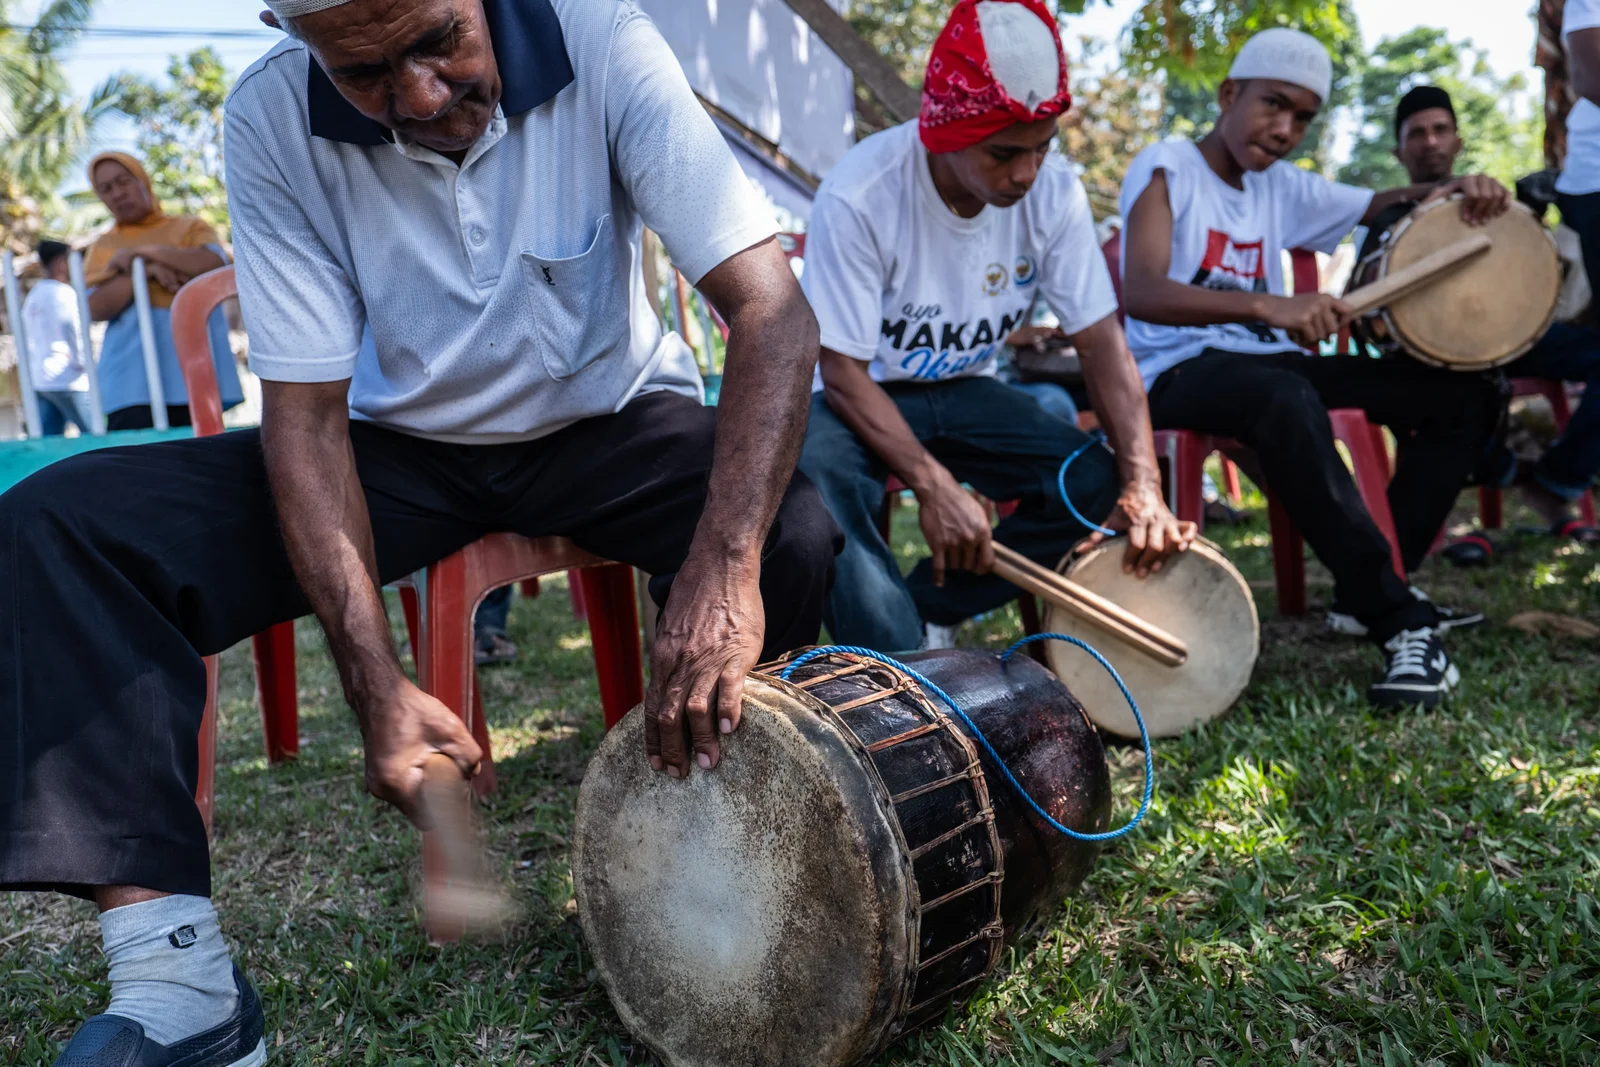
1486, 312
760, 914
1197, 597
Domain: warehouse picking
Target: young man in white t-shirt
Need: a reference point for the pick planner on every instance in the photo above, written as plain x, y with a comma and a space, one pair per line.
1207, 225
55, 360
928, 243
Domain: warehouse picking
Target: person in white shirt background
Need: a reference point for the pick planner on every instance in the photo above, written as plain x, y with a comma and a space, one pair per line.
56, 345
1222, 353
927, 246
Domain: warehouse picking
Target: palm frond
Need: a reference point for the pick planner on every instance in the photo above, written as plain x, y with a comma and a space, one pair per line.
59, 22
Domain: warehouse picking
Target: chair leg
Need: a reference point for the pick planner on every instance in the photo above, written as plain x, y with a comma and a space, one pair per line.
1188, 479
1288, 559
1491, 508
1230, 478
487, 781
530, 588
412, 611
1372, 473
608, 592
275, 678
1028, 607
206, 787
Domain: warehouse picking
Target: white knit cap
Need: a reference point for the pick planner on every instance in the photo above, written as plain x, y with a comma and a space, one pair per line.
288, 9
1022, 52
1287, 56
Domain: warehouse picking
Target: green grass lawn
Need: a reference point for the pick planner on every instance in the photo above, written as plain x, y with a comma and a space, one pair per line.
1315, 884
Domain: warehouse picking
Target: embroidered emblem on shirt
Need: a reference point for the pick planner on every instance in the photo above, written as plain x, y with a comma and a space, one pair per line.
1025, 271
995, 279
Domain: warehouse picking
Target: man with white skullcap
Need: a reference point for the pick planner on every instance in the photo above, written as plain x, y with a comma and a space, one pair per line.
437, 208
1207, 226
929, 244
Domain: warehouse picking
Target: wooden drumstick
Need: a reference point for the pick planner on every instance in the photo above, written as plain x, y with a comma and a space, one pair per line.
1068, 595
459, 899
1425, 271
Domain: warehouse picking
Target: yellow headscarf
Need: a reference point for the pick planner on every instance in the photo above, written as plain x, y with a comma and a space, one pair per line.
156, 228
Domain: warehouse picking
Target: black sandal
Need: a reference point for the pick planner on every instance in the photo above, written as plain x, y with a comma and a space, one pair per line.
1473, 550
1575, 530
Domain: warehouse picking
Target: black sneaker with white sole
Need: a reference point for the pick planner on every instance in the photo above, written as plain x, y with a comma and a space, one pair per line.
1341, 622
1417, 672
112, 1041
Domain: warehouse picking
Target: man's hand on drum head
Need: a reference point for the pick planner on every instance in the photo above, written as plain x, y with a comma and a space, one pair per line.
1309, 318
955, 525
1482, 197
710, 638
403, 729
1154, 532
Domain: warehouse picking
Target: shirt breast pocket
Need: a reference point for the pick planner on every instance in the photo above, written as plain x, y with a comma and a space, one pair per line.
579, 303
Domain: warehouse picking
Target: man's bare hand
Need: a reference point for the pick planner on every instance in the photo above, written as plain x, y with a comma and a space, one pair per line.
1482, 198
710, 637
1154, 533
956, 527
1309, 318
401, 732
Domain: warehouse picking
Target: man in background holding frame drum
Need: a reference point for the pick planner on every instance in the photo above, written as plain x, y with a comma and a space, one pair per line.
1207, 226
928, 244
1427, 144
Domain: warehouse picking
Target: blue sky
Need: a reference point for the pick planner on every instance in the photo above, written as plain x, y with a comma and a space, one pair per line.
1502, 26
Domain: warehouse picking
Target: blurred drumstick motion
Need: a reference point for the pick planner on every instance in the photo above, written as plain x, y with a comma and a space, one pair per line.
1069, 596
459, 898
1423, 272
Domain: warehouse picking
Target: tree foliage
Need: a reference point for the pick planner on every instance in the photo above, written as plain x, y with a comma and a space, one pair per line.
180, 131
43, 130
1498, 118
1113, 116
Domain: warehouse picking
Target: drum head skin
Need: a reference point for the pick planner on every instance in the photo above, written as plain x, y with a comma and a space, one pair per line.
761, 914
1197, 597
1489, 310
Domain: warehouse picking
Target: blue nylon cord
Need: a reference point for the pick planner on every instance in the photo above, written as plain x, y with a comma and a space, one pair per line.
972, 727
1061, 485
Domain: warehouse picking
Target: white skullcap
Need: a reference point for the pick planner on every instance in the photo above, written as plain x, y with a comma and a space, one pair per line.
288, 9
1022, 52
1287, 56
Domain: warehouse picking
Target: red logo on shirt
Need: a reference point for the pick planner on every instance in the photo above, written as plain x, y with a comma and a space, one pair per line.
1231, 264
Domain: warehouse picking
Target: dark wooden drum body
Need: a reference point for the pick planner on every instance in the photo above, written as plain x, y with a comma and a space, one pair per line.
852, 868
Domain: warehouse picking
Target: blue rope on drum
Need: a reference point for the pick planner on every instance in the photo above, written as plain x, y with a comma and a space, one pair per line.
972, 727
1061, 484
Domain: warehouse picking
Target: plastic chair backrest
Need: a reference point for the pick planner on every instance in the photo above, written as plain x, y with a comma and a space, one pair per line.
191, 311
1113, 253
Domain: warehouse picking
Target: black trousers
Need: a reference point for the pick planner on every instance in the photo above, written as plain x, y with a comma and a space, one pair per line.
139, 417
120, 569
1277, 405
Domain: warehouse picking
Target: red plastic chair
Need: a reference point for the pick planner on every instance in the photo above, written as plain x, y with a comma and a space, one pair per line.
1186, 452
1491, 504
441, 625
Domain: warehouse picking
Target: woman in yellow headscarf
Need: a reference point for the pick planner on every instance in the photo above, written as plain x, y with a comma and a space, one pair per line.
175, 249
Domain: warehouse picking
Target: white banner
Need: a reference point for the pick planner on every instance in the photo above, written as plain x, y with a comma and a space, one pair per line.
756, 60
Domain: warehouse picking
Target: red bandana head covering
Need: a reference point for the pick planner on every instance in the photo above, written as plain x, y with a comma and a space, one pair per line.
963, 102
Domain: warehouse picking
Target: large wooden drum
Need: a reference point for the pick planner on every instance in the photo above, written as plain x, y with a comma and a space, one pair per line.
1483, 313
1197, 597
852, 867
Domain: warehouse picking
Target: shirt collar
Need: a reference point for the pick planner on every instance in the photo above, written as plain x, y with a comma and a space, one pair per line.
528, 46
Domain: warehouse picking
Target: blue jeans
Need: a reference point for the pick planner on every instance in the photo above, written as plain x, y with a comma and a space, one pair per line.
1053, 398
494, 613
59, 407
991, 436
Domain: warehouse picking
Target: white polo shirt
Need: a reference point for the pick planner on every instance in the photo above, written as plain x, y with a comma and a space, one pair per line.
504, 297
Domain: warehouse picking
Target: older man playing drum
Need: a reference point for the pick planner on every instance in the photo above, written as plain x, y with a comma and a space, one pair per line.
465, 180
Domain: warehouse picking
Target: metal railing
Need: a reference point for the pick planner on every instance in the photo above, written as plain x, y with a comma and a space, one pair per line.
86, 347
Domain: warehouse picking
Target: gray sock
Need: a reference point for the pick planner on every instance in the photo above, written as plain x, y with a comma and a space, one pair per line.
170, 970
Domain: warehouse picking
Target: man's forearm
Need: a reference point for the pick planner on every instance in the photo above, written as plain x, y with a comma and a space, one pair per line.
761, 425
1162, 301
322, 512
190, 262
1381, 202
1117, 393
110, 298
862, 405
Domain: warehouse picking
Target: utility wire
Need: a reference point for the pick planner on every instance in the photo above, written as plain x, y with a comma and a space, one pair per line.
263, 33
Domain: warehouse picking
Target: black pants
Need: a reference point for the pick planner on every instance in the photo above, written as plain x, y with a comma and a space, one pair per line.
1277, 405
139, 417
120, 569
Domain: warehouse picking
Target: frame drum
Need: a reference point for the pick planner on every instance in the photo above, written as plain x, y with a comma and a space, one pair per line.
1197, 597
847, 873
1482, 314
